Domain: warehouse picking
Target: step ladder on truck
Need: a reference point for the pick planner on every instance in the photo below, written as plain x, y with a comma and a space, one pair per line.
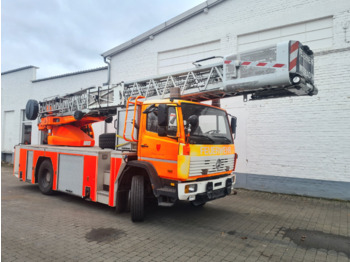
168, 145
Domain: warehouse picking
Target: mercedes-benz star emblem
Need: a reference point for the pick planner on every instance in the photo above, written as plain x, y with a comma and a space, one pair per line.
218, 163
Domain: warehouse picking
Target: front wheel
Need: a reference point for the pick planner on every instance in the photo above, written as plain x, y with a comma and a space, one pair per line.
137, 198
45, 177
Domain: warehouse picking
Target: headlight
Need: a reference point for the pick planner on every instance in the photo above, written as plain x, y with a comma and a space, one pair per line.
190, 188
296, 80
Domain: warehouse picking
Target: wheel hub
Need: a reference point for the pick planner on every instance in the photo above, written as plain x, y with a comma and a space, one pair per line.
47, 177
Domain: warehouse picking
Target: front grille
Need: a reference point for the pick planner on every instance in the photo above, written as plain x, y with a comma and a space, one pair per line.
210, 164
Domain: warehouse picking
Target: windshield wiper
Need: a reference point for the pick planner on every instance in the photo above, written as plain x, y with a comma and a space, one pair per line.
202, 136
228, 140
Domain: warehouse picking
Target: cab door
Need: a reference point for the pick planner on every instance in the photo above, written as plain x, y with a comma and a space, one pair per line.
161, 151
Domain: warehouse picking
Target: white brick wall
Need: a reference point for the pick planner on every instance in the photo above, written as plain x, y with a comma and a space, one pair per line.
17, 88
294, 137
300, 137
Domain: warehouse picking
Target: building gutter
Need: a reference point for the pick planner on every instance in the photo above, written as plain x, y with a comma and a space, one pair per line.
149, 35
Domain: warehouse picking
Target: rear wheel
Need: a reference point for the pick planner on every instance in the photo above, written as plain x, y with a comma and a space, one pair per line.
137, 198
45, 177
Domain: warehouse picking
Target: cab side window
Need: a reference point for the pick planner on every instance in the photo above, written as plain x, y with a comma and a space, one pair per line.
152, 122
172, 122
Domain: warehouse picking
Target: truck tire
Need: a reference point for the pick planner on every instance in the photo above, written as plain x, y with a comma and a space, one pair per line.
45, 177
107, 140
32, 109
137, 198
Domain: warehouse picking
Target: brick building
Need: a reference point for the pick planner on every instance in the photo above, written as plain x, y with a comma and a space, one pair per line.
21, 84
292, 145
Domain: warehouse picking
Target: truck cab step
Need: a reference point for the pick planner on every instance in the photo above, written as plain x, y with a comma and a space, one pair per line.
167, 191
103, 196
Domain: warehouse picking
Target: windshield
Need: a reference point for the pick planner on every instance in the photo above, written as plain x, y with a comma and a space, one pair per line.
207, 125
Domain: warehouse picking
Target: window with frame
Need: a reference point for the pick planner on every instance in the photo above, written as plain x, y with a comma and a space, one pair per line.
172, 121
152, 119
26, 125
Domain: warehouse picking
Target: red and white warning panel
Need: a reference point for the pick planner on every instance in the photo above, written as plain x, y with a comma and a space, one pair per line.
301, 60
283, 69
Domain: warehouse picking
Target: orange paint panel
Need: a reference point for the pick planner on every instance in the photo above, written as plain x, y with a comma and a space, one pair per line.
162, 152
114, 170
164, 169
49, 121
90, 176
69, 136
22, 163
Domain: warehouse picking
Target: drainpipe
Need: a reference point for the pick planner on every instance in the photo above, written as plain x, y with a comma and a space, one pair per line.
108, 62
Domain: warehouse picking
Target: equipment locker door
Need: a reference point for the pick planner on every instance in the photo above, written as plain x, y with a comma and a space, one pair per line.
70, 174
29, 169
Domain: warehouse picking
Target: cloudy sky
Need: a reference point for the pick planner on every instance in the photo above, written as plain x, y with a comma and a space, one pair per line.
62, 36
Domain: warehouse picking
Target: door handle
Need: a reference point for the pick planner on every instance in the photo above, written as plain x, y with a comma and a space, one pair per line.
145, 145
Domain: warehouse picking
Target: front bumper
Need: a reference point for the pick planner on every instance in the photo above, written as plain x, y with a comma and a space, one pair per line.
207, 190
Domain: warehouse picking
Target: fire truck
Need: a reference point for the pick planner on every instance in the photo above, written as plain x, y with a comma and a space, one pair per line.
168, 146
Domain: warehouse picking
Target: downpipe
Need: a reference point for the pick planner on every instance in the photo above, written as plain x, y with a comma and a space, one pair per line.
109, 70
108, 62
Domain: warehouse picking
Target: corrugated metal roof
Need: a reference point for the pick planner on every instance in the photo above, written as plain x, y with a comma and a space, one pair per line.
18, 69
162, 27
71, 74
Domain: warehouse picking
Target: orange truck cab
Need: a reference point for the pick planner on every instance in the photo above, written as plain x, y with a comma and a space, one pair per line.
185, 151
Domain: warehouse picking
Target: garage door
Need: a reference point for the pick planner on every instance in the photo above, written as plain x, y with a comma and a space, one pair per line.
317, 34
170, 61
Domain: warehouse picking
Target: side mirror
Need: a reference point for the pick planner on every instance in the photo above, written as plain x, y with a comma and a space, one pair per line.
234, 124
162, 115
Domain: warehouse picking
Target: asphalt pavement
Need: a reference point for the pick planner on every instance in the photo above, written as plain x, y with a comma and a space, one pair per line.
249, 226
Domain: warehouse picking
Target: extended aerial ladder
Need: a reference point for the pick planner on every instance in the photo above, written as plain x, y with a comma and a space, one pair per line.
281, 70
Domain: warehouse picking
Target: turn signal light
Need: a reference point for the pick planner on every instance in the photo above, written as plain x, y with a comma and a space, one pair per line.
234, 161
190, 188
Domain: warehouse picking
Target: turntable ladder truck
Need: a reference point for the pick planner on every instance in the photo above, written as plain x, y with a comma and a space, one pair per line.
168, 145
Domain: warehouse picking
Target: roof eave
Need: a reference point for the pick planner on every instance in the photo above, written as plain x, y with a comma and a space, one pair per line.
162, 27
19, 69
71, 74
